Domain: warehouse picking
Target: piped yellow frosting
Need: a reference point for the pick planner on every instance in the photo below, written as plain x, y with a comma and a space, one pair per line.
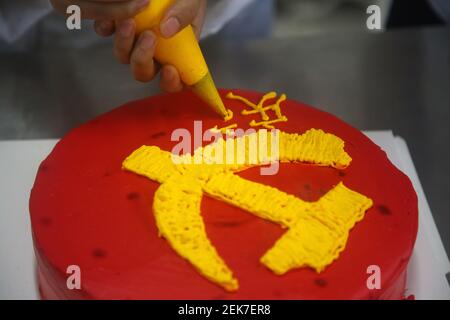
223, 130
177, 212
260, 108
317, 231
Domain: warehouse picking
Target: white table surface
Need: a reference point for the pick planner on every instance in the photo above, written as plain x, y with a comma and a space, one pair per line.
19, 161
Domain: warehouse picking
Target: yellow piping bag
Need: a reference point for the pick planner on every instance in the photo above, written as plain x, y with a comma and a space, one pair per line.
183, 52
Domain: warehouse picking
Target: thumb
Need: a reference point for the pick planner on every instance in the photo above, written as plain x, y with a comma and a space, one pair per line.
178, 16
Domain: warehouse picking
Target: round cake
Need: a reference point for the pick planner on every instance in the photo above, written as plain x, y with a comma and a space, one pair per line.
91, 215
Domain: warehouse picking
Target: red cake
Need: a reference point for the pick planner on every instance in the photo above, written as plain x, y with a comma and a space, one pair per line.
87, 211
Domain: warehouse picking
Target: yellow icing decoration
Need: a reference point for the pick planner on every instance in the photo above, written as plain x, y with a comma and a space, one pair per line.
317, 231
160, 169
229, 115
223, 130
267, 124
177, 212
261, 109
320, 233
315, 146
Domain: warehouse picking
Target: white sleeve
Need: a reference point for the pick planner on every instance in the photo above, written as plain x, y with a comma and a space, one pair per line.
220, 12
18, 16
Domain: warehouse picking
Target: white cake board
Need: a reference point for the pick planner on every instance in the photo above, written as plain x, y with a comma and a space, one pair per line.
19, 161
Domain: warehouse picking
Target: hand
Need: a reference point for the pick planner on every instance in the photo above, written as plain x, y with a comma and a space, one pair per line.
139, 52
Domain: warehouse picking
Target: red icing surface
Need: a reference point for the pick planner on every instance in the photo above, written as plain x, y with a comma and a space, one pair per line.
87, 211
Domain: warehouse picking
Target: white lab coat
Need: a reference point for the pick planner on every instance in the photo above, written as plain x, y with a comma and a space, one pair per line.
19, 18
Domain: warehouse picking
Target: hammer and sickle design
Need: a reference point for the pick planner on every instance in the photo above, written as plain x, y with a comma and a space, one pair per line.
317, 231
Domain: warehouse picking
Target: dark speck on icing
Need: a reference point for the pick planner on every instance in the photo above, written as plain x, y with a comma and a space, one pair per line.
158, 135
99, 253
384, 210
133, 196
321, 282
46, 221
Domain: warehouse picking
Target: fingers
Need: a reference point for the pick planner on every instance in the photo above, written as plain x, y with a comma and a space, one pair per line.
124, 40
103, 10
104, 28
142, 64
170, 79
139, 53
180, 14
